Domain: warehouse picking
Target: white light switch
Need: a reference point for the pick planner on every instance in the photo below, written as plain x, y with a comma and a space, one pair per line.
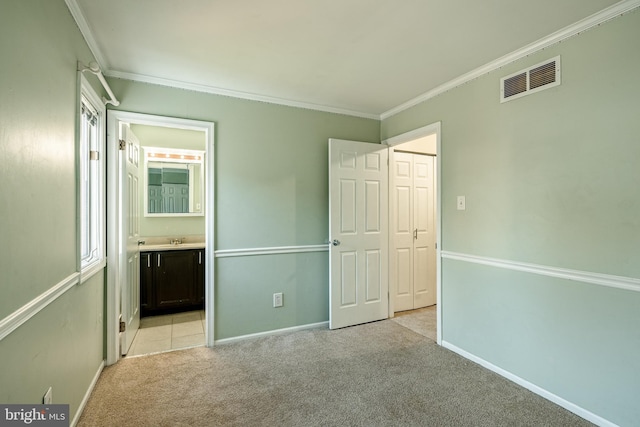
461, 203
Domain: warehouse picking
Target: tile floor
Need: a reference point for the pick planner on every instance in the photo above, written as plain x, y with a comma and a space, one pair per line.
422, 321
169, 332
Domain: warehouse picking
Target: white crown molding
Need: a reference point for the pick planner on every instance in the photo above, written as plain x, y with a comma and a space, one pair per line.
580, 26
608, 280
76, 12
563, 34
237, 94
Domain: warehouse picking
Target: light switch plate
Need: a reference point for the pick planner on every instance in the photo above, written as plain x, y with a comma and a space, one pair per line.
462, 204
277, 300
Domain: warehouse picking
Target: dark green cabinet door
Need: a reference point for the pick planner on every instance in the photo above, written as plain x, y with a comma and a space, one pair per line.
199, 282
147, 299
175, 275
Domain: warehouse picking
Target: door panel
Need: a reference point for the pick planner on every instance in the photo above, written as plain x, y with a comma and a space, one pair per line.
424, 245
402, 229
413, 266
130, 284
358, 223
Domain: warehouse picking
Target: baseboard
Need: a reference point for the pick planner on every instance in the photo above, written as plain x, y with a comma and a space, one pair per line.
581, 412
273, 332
85, 399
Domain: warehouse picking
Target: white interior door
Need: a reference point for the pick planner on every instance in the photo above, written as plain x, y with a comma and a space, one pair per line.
130, 235
413, 255
358, 223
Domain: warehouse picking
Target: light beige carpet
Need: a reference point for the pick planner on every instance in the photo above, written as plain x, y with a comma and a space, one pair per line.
377, 374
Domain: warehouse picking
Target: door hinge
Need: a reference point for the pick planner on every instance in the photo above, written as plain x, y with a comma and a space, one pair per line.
123, 144
94, 155
123, 326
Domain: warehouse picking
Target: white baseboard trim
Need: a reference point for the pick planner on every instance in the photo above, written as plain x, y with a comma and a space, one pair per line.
224, 253
85, 399
619, 282
33, 307
273, 332
581, 412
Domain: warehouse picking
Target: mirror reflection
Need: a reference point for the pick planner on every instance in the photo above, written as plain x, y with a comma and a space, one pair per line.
174, 181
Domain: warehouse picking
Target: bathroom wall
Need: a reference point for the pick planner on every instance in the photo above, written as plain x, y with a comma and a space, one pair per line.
164, 137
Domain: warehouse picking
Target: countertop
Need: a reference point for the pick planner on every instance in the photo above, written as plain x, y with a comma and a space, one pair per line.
170, 247
162, 243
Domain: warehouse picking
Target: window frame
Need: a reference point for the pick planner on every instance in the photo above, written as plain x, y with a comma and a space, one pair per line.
91, 179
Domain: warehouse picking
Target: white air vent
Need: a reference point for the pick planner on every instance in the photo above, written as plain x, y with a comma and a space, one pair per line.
533, 79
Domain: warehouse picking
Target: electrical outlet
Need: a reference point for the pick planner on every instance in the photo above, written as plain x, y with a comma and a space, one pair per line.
47, 399
462, 204
277, 299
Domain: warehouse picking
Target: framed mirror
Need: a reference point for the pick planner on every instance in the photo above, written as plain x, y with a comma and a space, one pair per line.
173, 182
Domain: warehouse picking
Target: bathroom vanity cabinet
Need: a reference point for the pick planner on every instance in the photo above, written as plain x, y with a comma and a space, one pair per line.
171, 281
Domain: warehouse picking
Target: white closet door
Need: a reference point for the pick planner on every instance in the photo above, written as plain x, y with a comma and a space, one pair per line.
402, 229
413, 255
424, 253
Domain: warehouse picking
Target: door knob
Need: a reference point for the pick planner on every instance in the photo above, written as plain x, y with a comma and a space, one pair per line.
335, 242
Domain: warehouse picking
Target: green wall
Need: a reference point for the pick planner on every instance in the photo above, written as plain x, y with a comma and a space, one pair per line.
550, 179
164, 137
271, 190
62, 345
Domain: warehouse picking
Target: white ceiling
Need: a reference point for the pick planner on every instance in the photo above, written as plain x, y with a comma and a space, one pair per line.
360, 56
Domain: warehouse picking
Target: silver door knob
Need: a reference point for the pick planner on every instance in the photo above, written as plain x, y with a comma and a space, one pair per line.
335, 242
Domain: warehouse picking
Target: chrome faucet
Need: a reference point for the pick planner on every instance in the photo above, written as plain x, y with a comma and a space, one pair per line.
176, 241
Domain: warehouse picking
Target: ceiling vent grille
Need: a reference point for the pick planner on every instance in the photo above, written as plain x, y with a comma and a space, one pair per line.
533, 79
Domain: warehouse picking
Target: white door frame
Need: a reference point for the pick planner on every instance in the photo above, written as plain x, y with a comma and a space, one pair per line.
434, 128
114, 209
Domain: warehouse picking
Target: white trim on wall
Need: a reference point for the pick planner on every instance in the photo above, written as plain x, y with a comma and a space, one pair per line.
587, 415
87, 394
239, 95
560, 35
619, 282
33, 307
319, 325
226, 253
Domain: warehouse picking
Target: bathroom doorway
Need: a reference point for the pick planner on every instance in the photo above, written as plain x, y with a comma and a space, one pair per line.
188, 230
